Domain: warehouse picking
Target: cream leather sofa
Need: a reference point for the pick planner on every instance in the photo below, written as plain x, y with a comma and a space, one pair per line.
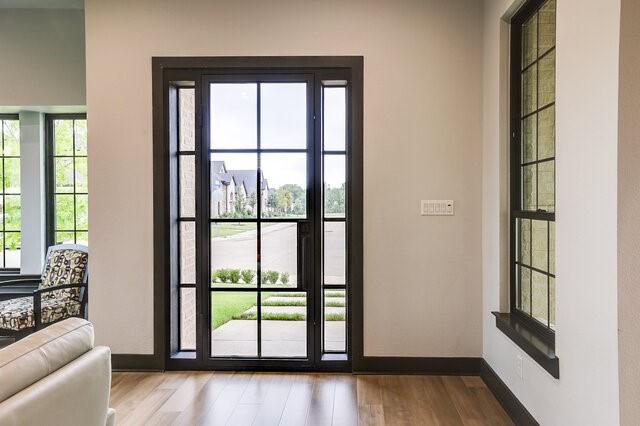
56, 377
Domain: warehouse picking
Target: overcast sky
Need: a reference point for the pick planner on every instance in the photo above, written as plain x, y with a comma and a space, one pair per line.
283, 125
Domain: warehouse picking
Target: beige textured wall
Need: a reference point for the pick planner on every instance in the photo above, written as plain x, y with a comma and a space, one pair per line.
628, 208
586, 183
42, 53
422, 114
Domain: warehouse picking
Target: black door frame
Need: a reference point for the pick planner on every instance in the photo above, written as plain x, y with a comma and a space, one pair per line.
189, 69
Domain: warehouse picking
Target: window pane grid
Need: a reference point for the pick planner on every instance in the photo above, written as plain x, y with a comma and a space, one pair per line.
334, 219
70, 206
10, 195
533, 218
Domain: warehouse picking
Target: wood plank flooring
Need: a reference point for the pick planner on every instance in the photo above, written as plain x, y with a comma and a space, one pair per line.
262, 399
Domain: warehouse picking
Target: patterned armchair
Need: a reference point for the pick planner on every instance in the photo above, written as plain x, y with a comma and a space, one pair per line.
61, 293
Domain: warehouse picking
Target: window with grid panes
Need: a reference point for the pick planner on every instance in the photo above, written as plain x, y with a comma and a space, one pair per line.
533, 164
68, 215
10, 210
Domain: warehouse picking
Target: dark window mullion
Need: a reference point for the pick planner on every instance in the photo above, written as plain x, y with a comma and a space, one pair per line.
533, 268
538, 110
4, 205
258, 222
73, 161
544, 160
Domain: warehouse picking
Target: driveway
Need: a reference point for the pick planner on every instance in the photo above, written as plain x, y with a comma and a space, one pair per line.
279, 251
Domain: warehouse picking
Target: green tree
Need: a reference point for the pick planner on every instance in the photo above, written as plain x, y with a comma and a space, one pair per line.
334, 200
253, 200
285, 200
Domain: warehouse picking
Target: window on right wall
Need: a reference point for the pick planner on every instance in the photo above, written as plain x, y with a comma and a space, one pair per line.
533, 230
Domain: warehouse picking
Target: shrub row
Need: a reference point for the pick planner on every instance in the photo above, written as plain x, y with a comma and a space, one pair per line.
233, 276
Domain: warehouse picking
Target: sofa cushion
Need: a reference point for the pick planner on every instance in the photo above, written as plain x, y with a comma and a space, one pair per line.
39, 354
17, 314
64, 266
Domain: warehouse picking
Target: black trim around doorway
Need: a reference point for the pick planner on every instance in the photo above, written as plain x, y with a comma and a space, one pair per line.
161, 68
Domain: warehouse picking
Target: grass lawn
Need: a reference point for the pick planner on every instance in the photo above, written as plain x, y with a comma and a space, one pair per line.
225, 305
227, 229
232, 305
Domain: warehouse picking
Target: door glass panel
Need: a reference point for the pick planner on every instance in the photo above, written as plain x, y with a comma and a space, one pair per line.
234, 324
284, 325
284, 185
187, 318
283, 115
335, 119
187, 119
279, 254
334, 253
234, 178
234, 115
187, 252
335, 328
334, 186
187, 185
233, 254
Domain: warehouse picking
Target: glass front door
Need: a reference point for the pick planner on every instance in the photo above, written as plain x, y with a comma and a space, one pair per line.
262, 219
259, 133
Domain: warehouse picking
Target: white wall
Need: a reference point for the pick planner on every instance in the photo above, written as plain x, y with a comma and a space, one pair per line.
586, 182
421, 128
42, 53
628, 208
32, 142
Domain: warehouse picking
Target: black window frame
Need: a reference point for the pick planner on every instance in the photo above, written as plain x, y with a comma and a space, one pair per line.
530, 8
50, 227
5, 270
184, 69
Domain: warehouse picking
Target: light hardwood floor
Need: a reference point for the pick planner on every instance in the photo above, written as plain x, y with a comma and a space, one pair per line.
236, 399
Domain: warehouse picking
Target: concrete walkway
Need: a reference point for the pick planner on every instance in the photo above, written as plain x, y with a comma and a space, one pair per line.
279, 338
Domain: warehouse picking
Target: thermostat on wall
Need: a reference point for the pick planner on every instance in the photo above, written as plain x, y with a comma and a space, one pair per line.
436, 207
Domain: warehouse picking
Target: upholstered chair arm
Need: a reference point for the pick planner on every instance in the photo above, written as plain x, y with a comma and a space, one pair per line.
20, 281
37, 299
58, 287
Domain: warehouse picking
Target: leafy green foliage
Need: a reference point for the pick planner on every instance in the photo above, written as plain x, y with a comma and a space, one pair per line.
284, 278
234, 275
248, 275
270, 277
223, 275
334, 200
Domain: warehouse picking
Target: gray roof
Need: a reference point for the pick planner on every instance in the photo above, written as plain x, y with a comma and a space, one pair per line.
224, 176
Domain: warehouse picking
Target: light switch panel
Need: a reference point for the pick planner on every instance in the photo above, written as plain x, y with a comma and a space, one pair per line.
436, 208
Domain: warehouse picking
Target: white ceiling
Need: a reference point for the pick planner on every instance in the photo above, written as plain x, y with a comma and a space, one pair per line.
41, 4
